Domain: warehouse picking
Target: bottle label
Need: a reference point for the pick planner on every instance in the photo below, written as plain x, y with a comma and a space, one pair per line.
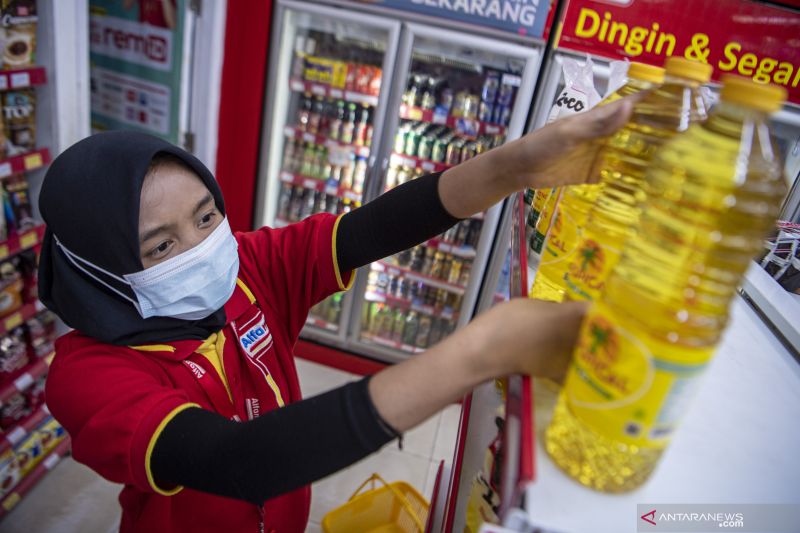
563, 239
591, 265
629, 386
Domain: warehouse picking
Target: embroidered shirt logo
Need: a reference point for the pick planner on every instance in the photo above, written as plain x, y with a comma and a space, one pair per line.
256, 337
196, 369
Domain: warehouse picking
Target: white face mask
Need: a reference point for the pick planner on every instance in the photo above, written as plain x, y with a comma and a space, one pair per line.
189, 286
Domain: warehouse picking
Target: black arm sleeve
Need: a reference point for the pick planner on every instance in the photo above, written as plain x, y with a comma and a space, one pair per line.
401, 218
278, 452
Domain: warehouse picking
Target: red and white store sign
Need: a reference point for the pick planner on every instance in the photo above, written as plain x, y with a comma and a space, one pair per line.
734, 36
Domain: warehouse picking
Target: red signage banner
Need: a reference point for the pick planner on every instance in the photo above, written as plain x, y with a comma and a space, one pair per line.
734, 36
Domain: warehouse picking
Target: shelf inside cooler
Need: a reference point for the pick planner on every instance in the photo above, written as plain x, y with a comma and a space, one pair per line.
297, 133
463, 251
415, 162
383, 266
409, 304
319, 185
390, 343
455, 123
322, 324
326, 91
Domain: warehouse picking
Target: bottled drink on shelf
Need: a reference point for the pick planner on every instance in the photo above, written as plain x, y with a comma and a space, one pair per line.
284, 199
315, 116
296, 204
337, 122
565, 231
349, 125
423, 332
712, 194
398, 323
363, 137
621, 164
410, 328
359, 174
304, 112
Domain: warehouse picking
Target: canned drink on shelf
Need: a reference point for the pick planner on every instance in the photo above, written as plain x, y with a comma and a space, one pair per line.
505, 95
453, 156
412, 140
428, 100
439, 150
423, 332
502, 115
445, 103
400, 137
471, 105
459, 104
375, 82
455, 270
466, 268
490, 87
391, 177
469, 151
359, 175
485, 112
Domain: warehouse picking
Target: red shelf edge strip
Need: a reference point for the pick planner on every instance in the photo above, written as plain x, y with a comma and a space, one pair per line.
340, 360
34, 476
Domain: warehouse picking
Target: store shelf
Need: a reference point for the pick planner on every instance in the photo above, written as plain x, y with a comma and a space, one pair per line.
24, 162
24, 486
22, 241
778, 305
382, 266
17, 318
319, 185
463, 251
461, 125
297, 133
318, 89
399, 159
409, 305
319, 323
17, 434
23, 378
22, 78
390, 343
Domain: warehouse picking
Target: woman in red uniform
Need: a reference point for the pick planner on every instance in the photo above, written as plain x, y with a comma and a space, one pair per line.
178, 380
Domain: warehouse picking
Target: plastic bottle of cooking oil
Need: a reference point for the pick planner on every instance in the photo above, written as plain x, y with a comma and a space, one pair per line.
622, 163
566, 229
713, 192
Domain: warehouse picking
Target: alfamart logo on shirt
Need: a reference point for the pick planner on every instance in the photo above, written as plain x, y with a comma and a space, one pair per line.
256, 337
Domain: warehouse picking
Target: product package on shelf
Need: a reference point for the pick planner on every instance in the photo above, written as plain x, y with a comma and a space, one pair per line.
19, 121
578, 95
11, 286
19, 21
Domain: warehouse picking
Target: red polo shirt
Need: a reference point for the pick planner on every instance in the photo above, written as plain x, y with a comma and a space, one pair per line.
114, 400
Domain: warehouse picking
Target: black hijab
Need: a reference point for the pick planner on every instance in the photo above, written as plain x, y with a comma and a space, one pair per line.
90, 200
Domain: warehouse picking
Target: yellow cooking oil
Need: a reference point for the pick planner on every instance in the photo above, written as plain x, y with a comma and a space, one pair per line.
622, 162
713, 192
564, 234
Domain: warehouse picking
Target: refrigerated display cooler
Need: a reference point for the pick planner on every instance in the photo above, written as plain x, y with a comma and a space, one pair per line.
359, 103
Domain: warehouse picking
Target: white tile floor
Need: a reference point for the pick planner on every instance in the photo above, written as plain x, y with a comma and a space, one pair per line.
74, 499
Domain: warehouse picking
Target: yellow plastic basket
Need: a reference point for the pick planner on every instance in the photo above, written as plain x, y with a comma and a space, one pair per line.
392, 507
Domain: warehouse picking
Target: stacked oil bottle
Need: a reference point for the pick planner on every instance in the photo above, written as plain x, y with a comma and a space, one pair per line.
684, 196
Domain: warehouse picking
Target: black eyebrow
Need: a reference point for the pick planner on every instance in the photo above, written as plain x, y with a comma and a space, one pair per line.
202, 203
165, 227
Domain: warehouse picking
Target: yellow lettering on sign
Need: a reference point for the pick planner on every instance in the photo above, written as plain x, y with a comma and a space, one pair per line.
634, 40
761, 69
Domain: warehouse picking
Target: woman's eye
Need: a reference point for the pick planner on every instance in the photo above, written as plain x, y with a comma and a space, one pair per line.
207, 218
161, 249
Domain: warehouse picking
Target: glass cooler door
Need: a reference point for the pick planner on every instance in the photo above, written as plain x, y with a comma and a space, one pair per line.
455, 96
326, 99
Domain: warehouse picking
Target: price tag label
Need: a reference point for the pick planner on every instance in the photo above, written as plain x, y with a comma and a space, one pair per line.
309, 138
5, 169
33, 161
23, 382
319, 90
337, 93
439, 117
511, 79
51, 461
331, 190
415, 113
446, 248
393, 271
339, 155
28, 239
3, 82
13, 321
428, 166
11, 501
310, 184
16, 436
350, 195
20, 79
288, 178
492, 129
296, 85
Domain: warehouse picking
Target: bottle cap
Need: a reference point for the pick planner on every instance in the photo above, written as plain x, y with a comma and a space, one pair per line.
755, 95
686, 68
645, 72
